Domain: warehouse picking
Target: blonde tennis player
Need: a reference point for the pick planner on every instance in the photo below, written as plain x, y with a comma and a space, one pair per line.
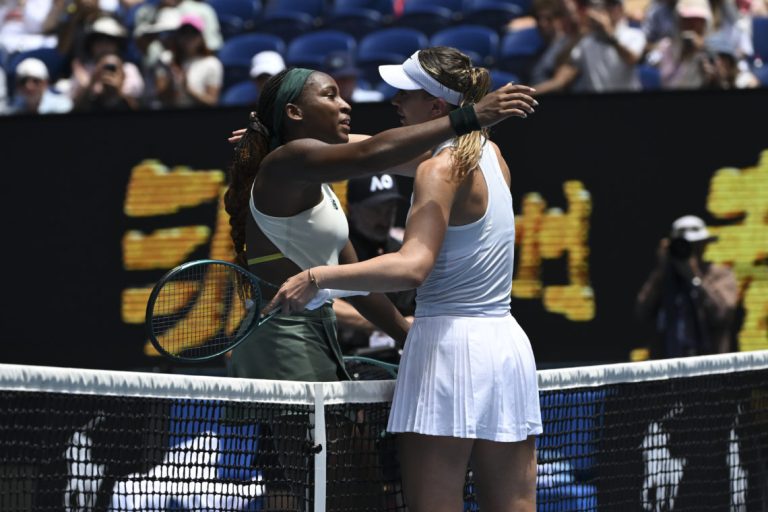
466, 392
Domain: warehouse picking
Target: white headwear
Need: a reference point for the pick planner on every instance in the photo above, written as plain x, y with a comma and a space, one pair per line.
410, 76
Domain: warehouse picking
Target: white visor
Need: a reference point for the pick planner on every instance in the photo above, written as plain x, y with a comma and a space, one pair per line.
410, 76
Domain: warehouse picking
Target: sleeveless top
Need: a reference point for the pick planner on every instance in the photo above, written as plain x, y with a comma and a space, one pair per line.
473, 272
313, 237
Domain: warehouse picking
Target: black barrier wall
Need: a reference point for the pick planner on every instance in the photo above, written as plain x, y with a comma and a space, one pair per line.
96, 208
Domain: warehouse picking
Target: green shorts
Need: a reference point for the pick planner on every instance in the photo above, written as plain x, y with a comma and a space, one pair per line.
301, 346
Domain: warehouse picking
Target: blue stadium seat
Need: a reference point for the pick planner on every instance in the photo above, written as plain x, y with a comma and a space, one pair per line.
762, 74
500, 78
492, 13
54, 61
236, 16
518, 50
760, 37
236, 54
241, 93
314, 8
310, 50
384, 7
356, 21
424, 18
456, 6
650, 78
387, 46
478, 39
286, 24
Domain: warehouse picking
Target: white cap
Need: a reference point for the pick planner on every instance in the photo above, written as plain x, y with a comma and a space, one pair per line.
267, 62
691, 228
32, 68
411, 76
109, 27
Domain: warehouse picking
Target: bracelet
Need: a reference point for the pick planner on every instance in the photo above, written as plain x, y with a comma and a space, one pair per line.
464, 120
312, 278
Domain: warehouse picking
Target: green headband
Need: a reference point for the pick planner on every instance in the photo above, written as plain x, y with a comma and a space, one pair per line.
290, 88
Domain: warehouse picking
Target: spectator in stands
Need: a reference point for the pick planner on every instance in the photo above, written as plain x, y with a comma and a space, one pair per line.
690, 303
70, 20
148, 15
190, 75
106, 36
558, 25
372, 206
605, 58
659, 22
341, 66
264, 66
23, 25
105, 91
3, 91
730, 71
32, 94
682, 59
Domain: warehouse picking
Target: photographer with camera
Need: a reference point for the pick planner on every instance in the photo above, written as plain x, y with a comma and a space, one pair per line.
105, 89
690, 303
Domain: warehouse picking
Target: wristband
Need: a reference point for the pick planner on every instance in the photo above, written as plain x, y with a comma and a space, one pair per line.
464, 120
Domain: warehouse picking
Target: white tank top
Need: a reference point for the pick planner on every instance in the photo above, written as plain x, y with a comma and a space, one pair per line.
473, 272
313, 237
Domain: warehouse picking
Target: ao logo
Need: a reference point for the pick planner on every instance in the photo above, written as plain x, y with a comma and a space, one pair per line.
383, 182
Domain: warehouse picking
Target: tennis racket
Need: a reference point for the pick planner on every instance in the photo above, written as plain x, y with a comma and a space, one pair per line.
366, 368
204, 308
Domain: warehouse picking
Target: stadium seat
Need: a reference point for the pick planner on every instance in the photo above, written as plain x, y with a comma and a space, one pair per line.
500, 78
760, 37
54, 61
236, 54
456, 6
314, 8
650, 78
762, 74
478, 39
286, 24
310, 50
492, 13
356, 21
236, 16
387, 46
518, 50
384, 7
424, 18
242, 93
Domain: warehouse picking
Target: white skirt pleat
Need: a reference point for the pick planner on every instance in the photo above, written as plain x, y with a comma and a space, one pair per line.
469, 377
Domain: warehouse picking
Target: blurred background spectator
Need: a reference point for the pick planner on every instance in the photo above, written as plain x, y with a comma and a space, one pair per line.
22, 25
149, 13
557, 22
105, 90
372, 206
32, 93
606, 56
188, 72
691, 304
3, 91
264, 65
106, 36
341, 66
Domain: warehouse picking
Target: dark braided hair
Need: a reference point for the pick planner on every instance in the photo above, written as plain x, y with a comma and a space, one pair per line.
249, 152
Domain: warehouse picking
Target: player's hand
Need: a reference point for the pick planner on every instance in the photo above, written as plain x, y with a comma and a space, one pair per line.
236, 135
293, 295
508, 100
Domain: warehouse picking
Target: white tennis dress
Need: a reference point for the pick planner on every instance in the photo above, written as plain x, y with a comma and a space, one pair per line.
468, 369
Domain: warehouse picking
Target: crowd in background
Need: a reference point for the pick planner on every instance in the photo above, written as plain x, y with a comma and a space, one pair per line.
132, 54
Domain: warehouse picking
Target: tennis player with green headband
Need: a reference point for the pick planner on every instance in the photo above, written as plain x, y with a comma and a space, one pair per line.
466, 389
285, 218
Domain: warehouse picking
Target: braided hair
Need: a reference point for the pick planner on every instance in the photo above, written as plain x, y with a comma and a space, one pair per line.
249, 152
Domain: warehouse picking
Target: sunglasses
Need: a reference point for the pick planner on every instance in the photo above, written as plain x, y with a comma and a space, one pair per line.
23, 80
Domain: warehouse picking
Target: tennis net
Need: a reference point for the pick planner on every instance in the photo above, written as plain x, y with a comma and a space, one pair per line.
682, 434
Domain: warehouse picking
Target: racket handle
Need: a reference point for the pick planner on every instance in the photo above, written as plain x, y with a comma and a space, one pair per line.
326, 294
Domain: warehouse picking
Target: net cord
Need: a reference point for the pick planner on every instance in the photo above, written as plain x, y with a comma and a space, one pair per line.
602, 375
